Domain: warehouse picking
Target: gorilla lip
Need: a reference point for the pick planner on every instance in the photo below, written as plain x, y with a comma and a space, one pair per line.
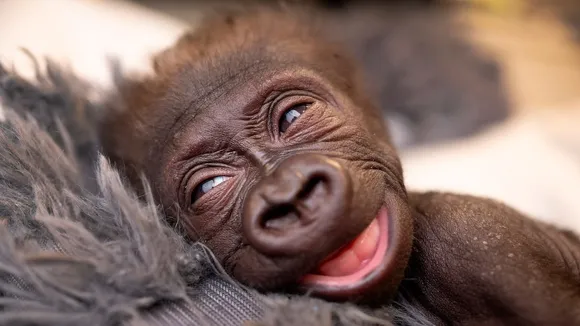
356, 260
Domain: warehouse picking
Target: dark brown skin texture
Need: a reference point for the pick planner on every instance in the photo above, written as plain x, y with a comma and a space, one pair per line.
295, 191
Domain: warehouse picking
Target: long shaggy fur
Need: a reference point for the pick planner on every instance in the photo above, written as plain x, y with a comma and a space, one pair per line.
78, 247
81, 257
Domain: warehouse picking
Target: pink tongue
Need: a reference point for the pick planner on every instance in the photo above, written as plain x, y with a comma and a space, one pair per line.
356, 255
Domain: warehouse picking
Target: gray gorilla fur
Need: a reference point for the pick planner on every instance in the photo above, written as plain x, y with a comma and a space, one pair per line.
78, 247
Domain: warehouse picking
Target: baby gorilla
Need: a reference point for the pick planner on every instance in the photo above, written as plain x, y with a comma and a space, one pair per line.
258, 138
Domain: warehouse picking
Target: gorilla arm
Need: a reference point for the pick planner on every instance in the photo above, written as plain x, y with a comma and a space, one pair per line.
478, 261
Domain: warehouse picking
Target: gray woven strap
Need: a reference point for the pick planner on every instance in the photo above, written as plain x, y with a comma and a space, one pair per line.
217, 302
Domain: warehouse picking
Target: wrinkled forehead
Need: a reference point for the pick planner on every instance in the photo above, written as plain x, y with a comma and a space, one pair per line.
199, 84
218, 79
232, 70
217, 84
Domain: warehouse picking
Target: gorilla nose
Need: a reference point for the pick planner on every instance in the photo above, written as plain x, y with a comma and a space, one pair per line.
300, 202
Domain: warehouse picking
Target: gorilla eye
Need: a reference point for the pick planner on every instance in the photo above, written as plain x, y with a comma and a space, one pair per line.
206, 186
291, 115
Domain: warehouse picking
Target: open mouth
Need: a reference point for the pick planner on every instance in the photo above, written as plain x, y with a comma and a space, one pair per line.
355, 261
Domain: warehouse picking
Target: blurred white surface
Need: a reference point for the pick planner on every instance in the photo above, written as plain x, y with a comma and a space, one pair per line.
531, 162
82, 33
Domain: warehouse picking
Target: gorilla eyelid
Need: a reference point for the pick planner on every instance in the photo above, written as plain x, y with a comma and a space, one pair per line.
291, 115
206, 186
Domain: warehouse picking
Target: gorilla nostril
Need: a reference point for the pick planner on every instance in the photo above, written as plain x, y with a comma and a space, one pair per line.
298, 211
280, 217
310, 187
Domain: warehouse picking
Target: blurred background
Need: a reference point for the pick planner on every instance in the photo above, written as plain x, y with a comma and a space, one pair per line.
482, 96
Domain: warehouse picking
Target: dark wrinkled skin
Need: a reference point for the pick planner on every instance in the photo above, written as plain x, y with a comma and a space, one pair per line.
295, 195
